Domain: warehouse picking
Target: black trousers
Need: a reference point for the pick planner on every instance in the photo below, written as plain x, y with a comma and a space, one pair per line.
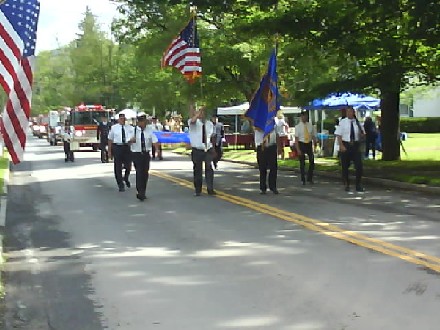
352, 154
121, 155
199, 157
142, 165
104, 152
67, 151
219, 152
370, 144
267, 161
306, 149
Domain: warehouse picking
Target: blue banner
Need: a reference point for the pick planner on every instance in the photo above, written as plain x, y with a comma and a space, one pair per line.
266, 102
172, 137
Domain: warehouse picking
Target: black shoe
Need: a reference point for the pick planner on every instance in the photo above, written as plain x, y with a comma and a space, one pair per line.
275, 191
212, 192
128, 184
263, 192
197, 194
303, 182
66, 160
360, 189
347, 188
121, 188
141, 197
310, 181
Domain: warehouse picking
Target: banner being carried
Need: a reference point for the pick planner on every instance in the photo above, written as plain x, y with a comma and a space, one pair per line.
266, 102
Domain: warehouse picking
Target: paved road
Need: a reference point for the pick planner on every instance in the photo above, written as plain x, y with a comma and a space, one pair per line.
82, 255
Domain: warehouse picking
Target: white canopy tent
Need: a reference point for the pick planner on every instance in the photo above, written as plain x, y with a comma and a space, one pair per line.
129, 113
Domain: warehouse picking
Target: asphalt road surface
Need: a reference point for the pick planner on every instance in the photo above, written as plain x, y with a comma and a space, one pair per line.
81, 255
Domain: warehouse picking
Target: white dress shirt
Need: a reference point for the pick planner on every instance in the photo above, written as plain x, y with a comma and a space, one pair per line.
157, 127
344, 129
149, 137
270, 140
115, 134
195, 134
281, 126
300, 131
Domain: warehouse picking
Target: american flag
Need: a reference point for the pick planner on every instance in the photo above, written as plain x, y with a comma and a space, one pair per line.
184, 53
18, 31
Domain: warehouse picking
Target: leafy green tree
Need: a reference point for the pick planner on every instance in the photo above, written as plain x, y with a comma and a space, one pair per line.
388, 41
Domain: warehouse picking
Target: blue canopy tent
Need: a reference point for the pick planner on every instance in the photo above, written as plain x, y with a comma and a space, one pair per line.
337, 101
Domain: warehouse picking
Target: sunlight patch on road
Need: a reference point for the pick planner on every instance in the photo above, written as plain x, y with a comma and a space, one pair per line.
328, 229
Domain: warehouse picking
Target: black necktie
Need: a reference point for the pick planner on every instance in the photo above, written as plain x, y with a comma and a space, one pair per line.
123, 135
204, 135
352, 138
144, 149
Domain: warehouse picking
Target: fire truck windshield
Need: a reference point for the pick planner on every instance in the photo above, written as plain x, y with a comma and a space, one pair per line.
87, 117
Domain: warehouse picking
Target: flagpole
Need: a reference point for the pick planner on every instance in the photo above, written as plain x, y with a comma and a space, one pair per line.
193, 13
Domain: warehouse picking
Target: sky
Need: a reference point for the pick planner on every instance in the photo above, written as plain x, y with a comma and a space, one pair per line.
59, 19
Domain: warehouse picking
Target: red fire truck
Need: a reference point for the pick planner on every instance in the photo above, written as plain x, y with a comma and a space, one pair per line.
84, 120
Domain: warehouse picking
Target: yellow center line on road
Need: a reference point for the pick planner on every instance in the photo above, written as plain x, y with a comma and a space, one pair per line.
325, 228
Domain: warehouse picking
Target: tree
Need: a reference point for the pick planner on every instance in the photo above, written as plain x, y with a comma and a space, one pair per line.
388, 41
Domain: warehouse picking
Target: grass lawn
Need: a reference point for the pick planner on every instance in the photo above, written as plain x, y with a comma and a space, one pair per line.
4, 163
421, 147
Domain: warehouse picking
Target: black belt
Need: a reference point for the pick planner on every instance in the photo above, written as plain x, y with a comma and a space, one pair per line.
351, 143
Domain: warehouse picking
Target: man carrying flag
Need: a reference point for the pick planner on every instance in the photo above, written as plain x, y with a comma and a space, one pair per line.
262, 111
18, 32
184, 53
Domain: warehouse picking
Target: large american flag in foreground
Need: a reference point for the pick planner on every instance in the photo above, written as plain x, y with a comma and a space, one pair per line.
18, 32
184, 53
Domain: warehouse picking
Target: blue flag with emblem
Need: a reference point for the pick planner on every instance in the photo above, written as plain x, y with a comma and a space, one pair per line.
265, 104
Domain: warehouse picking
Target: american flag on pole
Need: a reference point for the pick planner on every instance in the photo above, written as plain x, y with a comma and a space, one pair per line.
18, 32
184, 53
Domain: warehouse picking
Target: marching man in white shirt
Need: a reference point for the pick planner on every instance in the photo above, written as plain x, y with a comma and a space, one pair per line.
202, 138
267, 160
119, 148
141, 145
305, 140
349, 134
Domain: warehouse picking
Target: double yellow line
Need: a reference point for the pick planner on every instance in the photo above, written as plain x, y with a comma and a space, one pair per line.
409, 255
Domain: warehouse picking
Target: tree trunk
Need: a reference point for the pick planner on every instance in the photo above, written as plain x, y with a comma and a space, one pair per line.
390, 123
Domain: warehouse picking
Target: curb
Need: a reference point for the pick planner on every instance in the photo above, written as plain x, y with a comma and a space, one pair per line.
378, 182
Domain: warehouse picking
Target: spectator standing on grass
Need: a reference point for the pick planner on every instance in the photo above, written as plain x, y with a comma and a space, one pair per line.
281, 128
370, 137
157, 148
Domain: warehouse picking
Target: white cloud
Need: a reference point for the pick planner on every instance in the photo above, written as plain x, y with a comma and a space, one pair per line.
59, 19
